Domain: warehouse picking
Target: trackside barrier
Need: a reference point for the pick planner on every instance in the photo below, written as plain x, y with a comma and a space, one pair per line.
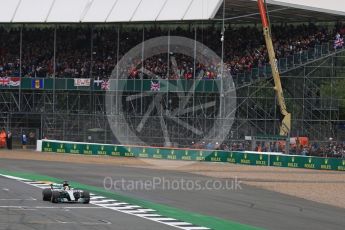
236, 157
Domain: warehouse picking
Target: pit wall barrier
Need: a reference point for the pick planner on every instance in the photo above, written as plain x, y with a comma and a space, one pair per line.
236, 157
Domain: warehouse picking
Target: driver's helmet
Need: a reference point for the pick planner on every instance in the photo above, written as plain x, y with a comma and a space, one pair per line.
65, 185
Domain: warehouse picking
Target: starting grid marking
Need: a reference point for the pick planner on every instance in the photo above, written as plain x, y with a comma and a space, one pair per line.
119, 206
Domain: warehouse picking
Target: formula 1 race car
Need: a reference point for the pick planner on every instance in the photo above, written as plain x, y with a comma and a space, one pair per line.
60, 193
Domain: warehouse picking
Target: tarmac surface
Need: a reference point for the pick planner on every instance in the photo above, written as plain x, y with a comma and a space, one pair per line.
21, 207
248, 205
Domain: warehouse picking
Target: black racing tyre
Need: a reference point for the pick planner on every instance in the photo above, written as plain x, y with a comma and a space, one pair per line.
55, 197
86, 196
47, 194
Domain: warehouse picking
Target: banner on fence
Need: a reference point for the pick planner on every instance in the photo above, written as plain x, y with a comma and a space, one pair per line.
9, 82
37, 83
82, 81
259, 159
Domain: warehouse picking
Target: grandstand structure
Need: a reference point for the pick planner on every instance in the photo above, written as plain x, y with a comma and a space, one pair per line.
212, 103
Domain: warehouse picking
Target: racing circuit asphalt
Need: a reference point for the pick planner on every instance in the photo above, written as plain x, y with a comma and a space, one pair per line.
250, 205
22, 208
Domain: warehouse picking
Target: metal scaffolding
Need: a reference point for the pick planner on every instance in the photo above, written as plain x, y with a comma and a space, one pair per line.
81, 115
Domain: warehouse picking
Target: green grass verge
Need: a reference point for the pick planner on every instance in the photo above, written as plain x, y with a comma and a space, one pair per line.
194, 218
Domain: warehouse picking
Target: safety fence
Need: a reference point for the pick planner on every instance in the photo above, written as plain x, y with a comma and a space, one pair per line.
236, 157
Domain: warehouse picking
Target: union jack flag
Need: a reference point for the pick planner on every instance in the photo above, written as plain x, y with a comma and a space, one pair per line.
155, 86
105, 85
4, 81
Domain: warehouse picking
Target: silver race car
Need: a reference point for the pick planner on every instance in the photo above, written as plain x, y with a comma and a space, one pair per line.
60, 193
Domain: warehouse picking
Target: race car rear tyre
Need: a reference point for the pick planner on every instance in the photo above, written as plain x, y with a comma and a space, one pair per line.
55, 197
86, 196
47, 194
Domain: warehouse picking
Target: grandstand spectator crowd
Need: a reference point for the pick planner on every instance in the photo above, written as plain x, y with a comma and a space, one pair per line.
317, 149
82, 52
336, 150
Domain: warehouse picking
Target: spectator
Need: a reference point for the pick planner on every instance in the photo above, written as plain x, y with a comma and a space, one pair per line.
31, 138
9, 140
210, 146
24, 140
3, 136
244, 49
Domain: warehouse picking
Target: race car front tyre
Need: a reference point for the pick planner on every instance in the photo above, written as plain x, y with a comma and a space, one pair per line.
55, 197
86, 196
47, 194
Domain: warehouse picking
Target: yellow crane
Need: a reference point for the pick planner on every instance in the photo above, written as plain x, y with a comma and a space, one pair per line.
286, 122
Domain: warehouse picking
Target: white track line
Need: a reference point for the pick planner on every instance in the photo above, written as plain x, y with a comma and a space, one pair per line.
49, 207
101, 202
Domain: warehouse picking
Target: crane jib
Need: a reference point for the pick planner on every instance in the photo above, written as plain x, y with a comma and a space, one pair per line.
286, 121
